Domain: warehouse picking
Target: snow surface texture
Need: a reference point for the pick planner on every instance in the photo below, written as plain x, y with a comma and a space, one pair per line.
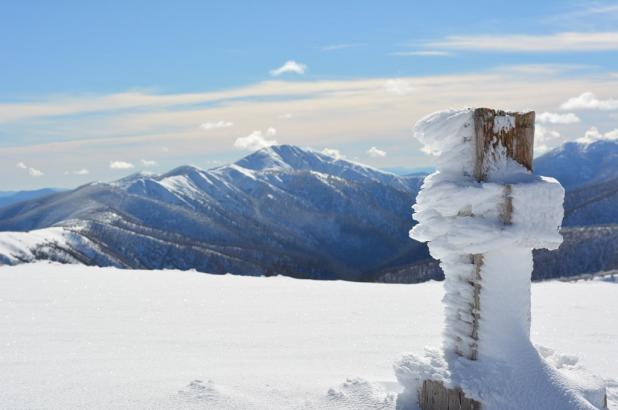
459, 216
102, 338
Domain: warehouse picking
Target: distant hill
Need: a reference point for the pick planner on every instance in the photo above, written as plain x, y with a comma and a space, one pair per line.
576, 164
12, 197
409, 171
589, 172
592, 204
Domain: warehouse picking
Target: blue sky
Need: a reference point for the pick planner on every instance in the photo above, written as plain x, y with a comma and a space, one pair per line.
88, 85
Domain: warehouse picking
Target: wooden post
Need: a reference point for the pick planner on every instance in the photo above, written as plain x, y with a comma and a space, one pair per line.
435, 396
494, 130
495, 133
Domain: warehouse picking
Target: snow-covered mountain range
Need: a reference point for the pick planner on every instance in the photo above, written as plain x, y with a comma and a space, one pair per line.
280, 210
292, 211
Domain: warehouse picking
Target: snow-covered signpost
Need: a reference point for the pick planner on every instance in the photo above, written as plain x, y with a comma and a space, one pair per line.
482, 213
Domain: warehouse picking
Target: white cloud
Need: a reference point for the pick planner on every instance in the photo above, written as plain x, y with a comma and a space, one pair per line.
591, 136
398, 86
588, 101
256, 140
594, 135
82, 171
120, 165
558, 42
555, 118
611, 135
334, 47
31, 171
422, 53
190, 109
218, 124
285, 116
544, 139
374, 152
332, 152
148, 162
289, 67
590, 11
331, 111
35, 172
542, 69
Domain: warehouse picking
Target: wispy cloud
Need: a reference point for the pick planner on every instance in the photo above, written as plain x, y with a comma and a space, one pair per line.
556, 118
586, 12
217, 124
256, 140
290, 66
543, 69
588, 101
326, 112
62, 106
558, 42
33, 172
398, 86
334, 47
82, 171
148, 162
120, 165
422, 53
375, 152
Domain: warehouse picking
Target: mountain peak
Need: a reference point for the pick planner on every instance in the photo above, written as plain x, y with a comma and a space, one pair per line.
577, 163
282, 156
291, 157
183, 170
129, 179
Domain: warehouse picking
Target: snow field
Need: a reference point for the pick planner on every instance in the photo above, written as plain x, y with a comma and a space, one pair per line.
100, 338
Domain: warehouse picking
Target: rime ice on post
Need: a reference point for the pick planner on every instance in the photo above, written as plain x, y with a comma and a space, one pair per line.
484, 165
482, 213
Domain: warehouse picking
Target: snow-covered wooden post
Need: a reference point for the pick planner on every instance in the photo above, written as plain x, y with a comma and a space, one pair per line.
482, 213
513, 132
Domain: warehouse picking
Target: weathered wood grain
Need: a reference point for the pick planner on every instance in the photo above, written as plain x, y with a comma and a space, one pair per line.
518, 142
434, 395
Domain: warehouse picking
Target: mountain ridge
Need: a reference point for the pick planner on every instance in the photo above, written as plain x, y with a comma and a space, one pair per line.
286, 210
297, 212
575, 164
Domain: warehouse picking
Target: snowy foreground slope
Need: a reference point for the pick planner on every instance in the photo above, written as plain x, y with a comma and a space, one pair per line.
82, 337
